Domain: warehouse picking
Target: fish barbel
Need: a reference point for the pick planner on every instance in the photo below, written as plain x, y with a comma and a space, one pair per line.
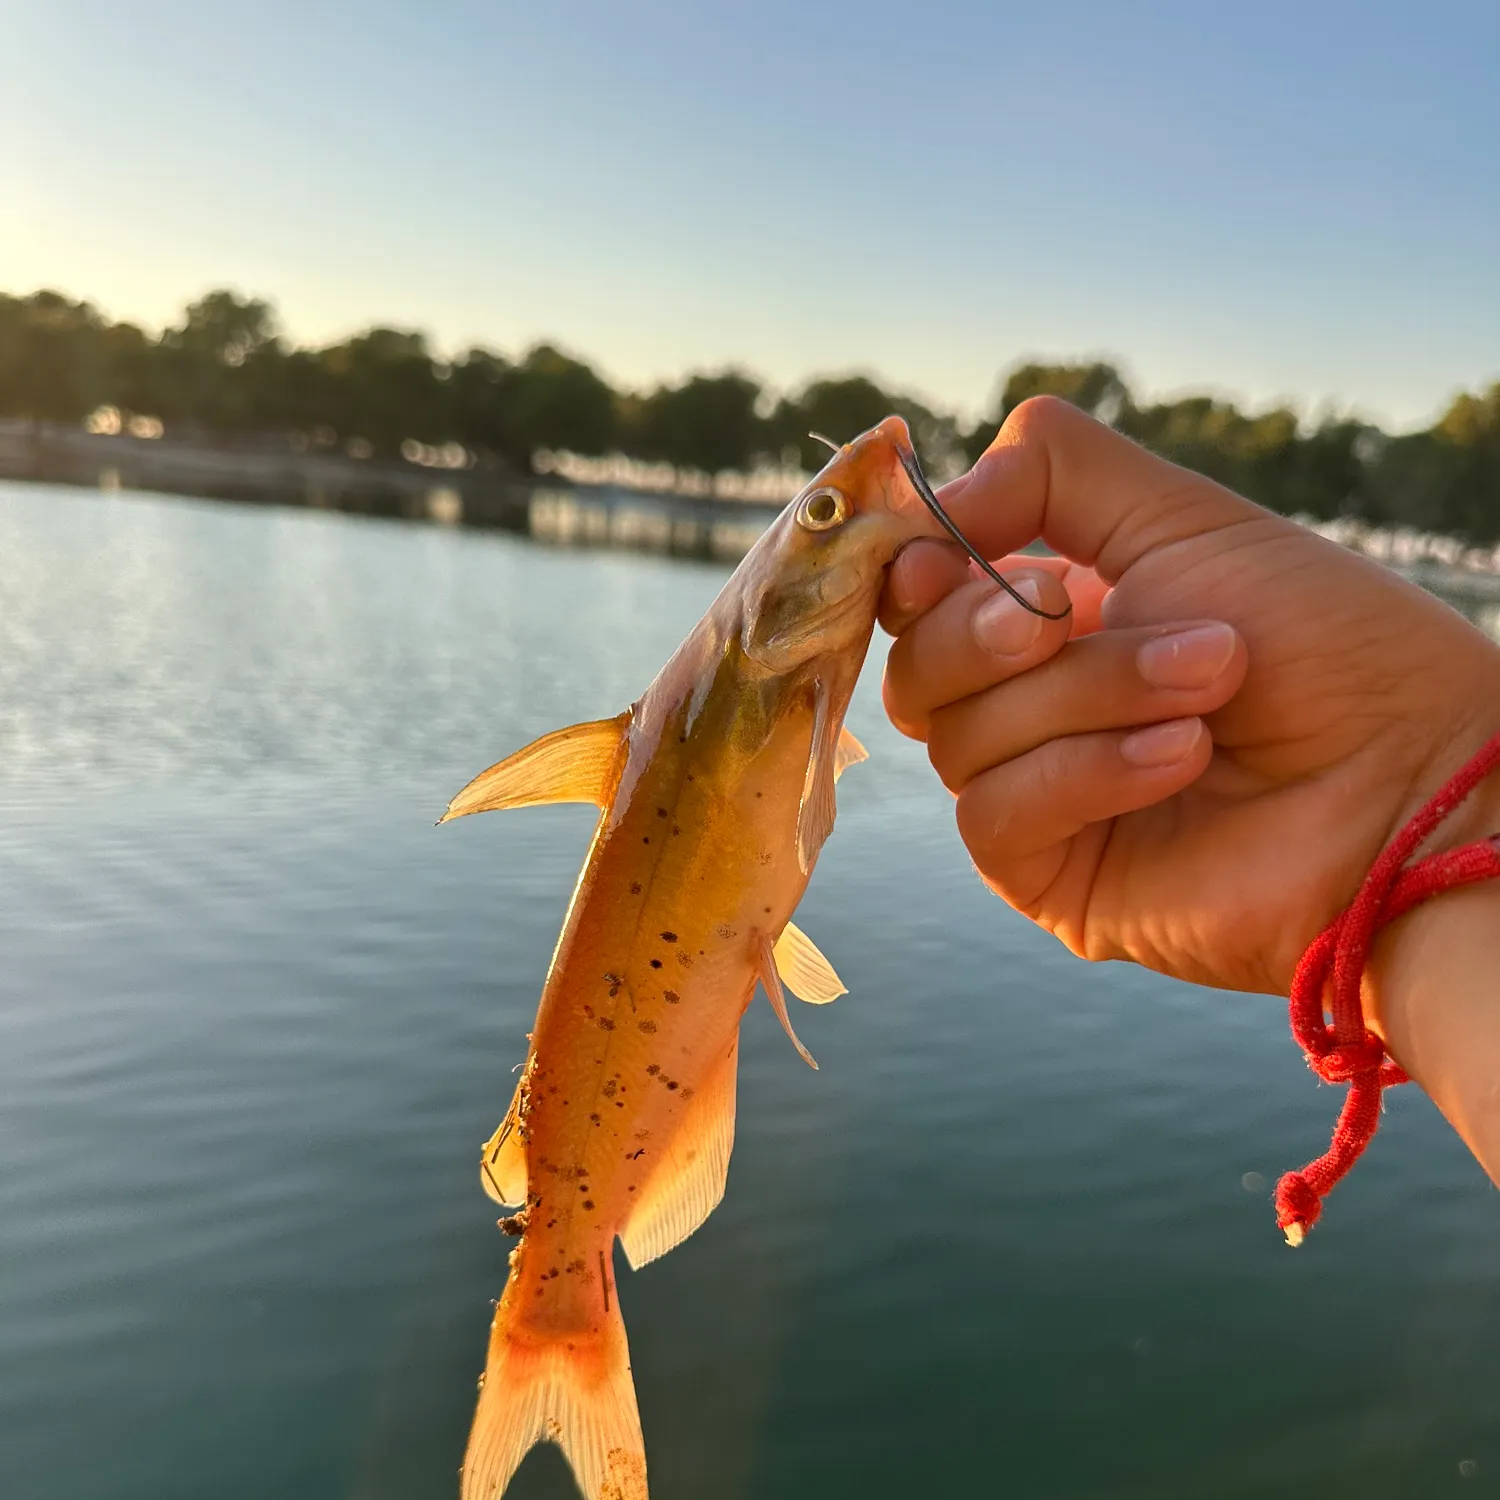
716, 792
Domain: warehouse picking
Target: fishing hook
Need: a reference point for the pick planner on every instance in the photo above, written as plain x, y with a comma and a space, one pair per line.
818, 437
930, 500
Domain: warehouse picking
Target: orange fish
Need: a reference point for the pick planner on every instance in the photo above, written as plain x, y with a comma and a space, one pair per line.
716, 792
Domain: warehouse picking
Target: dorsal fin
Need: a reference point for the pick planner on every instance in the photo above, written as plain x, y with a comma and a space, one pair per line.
576, 764
502, 1162
686, 1184
804, 970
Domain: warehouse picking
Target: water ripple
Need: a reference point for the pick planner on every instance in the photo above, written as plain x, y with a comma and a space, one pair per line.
256, 1014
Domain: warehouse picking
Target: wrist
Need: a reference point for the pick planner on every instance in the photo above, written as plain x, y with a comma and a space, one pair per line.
1432, 987
1430, 980
1479, 815
1475, 724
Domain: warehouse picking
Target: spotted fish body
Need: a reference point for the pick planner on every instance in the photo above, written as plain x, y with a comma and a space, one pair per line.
715, 793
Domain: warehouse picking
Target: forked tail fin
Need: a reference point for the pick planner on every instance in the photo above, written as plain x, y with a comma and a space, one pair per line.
574, 1390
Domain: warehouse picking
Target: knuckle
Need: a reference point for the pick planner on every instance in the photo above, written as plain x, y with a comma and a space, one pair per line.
1064, 777
1052, 770
983, 821
919, 646
895, 684
1037, 416
891, 619
996, 874
1095, 683
945, 746
903, 718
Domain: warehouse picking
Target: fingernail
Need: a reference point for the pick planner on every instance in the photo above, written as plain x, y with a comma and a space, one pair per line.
1003, 627
1161, 744
1189, 659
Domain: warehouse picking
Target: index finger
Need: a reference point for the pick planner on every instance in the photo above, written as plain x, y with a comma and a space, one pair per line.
926, 572
1092, 495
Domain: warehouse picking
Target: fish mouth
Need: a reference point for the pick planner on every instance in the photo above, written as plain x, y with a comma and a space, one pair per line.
928, 497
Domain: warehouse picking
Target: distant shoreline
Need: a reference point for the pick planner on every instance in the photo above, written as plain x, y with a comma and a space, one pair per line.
380, 405
548, 508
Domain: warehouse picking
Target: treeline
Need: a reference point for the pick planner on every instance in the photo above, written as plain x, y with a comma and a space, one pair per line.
226, 371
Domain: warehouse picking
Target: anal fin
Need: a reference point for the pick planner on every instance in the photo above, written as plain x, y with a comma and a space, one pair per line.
576, 764
687, 1183
502, 1162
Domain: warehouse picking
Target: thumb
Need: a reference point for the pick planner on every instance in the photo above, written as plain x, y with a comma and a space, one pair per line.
1089, 493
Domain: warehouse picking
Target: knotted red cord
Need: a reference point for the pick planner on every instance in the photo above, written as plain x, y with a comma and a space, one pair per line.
1346, 1051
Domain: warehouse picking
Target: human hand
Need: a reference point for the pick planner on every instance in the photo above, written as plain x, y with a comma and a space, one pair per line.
1207, 823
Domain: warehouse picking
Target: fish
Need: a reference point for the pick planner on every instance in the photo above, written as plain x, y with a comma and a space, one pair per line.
716, 794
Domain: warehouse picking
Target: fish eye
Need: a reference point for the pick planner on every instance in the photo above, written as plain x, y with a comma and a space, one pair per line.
823, 509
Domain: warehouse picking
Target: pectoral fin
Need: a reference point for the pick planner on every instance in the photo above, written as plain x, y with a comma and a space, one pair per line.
502, 1162
804, 970
576, 764
815, 816
849, 753
765, 960
685, 1185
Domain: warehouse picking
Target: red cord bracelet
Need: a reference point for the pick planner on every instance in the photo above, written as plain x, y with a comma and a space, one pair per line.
1346, 1051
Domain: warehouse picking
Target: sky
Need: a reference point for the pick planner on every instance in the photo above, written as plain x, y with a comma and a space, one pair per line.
1273, 201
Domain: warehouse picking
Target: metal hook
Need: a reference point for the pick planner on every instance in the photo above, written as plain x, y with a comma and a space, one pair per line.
930, 500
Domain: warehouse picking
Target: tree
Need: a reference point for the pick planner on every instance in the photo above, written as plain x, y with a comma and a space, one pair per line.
197, 376
52, 365
552, 400
840, 408
478, 388
225, 369
224, 328
382, 386
131, 380
707, 423
1447, 478
1096, 388
1328, 478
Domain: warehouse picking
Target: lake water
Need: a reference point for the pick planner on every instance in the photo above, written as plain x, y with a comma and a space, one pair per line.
257, 1014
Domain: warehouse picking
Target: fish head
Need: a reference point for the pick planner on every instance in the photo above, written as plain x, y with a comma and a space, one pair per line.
811, 585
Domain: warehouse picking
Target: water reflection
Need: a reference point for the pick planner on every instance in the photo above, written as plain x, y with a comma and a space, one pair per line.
256, 1014
1485, 616
1475, 595
605, 518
